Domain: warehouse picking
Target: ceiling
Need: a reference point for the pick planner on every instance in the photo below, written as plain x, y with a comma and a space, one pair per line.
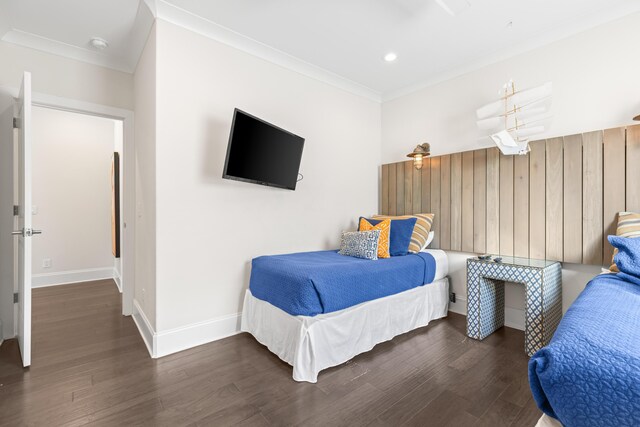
342, 41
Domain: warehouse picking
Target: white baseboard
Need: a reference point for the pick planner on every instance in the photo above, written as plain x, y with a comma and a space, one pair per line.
513, 317
144, 327
178, 339
116, 278
172, 341
460, 306
73, 276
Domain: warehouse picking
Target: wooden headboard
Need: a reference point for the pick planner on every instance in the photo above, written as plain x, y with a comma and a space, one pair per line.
558, 202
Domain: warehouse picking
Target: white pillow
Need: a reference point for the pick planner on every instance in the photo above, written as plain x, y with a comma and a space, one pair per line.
429, 240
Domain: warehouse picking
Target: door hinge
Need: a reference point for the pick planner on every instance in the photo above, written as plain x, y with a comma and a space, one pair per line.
16, 210
15, 298
16, 123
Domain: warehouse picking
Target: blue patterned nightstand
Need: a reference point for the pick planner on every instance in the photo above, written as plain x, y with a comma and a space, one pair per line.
485, 297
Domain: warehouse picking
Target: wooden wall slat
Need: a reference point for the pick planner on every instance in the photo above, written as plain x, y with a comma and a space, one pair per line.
614, 186
408, 186
400, 189
592, 196
445, 202
416, 202
559, 202
467, 201
554, 211
633, 168
456, 202
537, 199
493, 201
426, 186
435, 201
393, 188
384, 189
506, 205
521, 206
572, 198
479, 201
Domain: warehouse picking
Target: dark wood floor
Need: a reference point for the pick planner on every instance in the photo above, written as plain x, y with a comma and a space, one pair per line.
90, 366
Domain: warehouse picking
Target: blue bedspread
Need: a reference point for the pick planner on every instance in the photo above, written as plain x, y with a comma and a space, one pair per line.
311, 283
589, 374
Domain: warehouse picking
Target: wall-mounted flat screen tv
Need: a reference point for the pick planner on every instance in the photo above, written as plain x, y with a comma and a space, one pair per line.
261, 153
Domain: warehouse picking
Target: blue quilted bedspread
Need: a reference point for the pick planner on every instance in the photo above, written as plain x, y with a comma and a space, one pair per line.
589, 374
311, 283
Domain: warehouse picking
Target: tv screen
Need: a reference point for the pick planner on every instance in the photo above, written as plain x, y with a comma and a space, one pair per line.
261, 153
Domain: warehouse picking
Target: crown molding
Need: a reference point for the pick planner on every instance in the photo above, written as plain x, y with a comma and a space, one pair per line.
544, 39
55, 47
192, 22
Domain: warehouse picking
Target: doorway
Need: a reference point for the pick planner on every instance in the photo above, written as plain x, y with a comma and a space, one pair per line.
19, 326
125, 264
77, 187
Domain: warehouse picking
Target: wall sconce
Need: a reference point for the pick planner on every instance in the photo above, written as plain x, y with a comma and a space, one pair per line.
421, 151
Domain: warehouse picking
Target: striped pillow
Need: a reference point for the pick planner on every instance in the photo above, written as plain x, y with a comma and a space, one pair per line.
628, 226
421, 230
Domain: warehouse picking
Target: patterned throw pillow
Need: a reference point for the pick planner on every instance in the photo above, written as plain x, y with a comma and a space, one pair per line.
360, 244
383, 242
628, 226
420, 230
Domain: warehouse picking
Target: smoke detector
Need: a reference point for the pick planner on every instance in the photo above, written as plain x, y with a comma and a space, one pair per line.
98, 43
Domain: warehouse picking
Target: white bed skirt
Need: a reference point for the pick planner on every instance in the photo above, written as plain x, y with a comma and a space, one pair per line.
311, 344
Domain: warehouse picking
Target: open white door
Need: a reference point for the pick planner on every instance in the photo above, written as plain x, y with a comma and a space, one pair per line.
24, 232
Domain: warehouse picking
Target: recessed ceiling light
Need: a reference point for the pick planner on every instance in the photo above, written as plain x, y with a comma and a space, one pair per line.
98, 43
390, 57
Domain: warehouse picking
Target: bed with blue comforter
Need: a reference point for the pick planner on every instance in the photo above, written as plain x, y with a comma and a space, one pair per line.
589, 374
311, 283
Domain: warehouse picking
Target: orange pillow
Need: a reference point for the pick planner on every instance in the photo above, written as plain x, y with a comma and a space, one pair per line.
383, 242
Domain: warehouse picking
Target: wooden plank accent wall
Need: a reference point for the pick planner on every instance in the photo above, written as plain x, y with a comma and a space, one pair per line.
572, 192
467, 201
614, 185
445, 202
493, 201
592, 202
537, 202
506, 205
456, 202
479, 201
400, 189
436, 185
558, 202
521, 206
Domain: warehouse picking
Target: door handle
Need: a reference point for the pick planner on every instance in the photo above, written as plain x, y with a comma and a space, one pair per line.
26, 232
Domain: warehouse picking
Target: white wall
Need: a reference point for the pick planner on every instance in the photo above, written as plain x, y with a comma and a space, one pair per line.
209, 229
145, 181
71, 196
595, 78
63, 77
